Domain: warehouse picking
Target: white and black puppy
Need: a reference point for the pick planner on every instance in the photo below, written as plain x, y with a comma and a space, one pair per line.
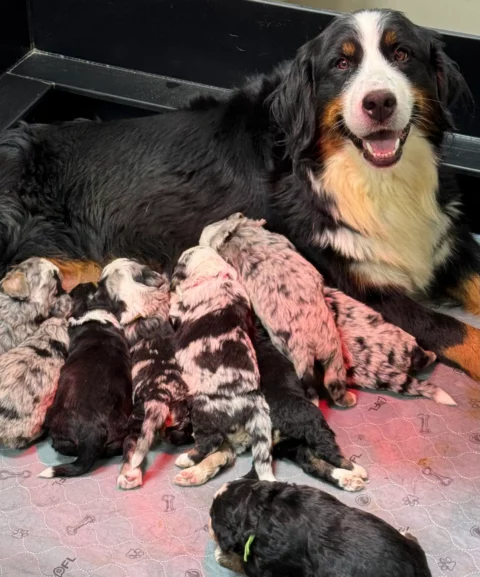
29, 376
211, 312
27, 295
293, 530
159, 391
90, 413
286, 293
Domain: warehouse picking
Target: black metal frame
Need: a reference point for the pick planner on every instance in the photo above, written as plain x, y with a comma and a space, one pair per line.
156, 54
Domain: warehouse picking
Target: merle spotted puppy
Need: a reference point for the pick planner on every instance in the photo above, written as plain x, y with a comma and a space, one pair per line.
282, 530
29, 376
89, 417
299, 429
287, 295
379, 355
212, 314
159, 392
28, 293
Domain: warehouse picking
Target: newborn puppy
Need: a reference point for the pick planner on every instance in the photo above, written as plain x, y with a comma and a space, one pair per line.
379, 355
300, 431
287, 295
293, 530
158, 388
27, 295
94, 399
211, 312
29, 377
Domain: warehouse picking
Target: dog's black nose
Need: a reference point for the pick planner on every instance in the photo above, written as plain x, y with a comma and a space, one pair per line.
379, 104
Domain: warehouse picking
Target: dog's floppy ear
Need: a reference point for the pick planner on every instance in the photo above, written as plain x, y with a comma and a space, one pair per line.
293, 105
151, 278
451, 85
15, 285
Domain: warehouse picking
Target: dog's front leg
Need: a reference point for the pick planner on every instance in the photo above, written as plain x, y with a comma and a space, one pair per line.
454, 342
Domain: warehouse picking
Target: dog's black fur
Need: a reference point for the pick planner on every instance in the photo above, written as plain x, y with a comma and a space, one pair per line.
300, 431
146, 187
89, 416
300, 531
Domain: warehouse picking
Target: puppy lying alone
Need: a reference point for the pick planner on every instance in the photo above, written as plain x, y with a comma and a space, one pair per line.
94, 399
379, 355
281, 530
29, 377
212, 315
286, 293
159, 391
28, 292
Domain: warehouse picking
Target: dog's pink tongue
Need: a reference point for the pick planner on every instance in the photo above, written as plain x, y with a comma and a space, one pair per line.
382, 146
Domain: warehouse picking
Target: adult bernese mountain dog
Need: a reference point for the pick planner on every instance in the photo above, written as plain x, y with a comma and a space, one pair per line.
338, 149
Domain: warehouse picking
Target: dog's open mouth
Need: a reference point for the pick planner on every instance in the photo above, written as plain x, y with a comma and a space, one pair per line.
383, 148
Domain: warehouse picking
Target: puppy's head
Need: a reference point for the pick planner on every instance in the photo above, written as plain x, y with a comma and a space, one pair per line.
236, 512
130, 290
200, 262
218, 234
35, 280
81, 298
365, 82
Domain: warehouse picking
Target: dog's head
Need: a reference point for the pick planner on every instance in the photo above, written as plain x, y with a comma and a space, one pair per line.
236, 512
216, 235
200, 262
130, 290
81, 297
366, 81
35, 280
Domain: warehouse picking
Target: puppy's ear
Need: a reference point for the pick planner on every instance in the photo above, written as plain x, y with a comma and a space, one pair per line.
152, 279
293, 105
451, 85
15, 285
226, 231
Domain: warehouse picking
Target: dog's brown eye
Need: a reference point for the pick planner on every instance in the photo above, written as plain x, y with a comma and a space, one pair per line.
343, 64
400, 55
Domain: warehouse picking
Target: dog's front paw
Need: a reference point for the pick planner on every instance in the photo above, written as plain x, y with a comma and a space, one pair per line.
348, 400
130, 480
230, 561
348, 480
184, 461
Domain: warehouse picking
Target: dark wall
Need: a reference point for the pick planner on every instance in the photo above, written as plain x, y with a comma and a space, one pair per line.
216, 42
14, 36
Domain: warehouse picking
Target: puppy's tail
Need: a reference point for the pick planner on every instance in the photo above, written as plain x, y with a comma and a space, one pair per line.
156, 413
90, 448
259, 427
428, 390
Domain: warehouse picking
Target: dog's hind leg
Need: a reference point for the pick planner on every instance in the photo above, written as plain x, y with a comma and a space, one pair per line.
349, 480
129, 478
208, 468
259, 427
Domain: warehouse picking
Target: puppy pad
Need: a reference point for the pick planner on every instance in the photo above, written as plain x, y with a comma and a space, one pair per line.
423, 460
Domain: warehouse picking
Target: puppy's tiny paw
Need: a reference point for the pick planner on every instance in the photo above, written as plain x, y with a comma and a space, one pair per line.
183, 461
131, 480
189, 479
348, 480
359, 471
349, 400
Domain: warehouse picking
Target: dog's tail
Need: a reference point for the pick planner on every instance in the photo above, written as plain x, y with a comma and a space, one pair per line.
428, 390
259, 427
90, 448
156, 413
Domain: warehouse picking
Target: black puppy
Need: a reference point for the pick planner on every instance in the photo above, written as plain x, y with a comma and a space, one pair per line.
300, 431
90, 413
275, 529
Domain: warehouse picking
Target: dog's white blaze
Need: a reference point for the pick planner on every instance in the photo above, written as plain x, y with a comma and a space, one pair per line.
97, 315
375, 73
46, 473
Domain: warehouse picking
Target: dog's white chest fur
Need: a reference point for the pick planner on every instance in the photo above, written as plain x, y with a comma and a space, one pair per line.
401, 229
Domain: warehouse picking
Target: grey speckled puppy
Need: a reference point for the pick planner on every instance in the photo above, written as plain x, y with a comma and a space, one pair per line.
286, 293
379, 355
27, 295
29, 377
211, 312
